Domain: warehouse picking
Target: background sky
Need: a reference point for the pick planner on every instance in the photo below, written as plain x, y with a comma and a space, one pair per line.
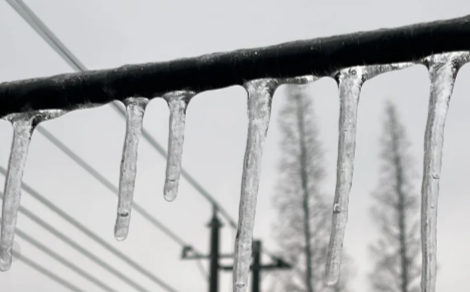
107, 34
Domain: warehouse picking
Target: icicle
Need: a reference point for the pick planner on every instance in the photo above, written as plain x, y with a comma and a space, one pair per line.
23, 126
260, 93
177, 102
135, 109
443, 70
350, 82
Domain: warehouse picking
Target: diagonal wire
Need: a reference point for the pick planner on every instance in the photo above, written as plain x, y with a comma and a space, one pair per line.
49, 274
77, 247
202, 270
64, 261
92, 235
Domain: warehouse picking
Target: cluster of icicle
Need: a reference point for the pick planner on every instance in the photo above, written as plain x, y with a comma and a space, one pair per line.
442, 69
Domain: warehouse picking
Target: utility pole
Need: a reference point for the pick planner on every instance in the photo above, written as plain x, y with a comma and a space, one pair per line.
257, 267
215, 225
214, 257
214, 254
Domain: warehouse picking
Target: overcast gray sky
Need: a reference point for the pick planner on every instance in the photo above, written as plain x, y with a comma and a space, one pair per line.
106, 34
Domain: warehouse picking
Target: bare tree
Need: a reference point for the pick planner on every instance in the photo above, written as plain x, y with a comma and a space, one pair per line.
395, 211
303, 227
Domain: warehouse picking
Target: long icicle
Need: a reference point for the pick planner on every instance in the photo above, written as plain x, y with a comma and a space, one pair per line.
350, 82
443, 69
260, 94
135, 110
23, 127
177, 102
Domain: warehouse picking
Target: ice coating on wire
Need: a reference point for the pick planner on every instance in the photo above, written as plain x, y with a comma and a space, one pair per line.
260, 93
23, 126
299, 80
135, 110
443, 69
177, 102
350, 82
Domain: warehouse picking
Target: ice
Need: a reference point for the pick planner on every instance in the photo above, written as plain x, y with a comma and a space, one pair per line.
260, 93
23, 126
177, 102
443, 70
300, 80
135, 110
350, 82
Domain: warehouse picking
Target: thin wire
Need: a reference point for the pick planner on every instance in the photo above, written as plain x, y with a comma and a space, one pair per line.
49, 274
202, 270
77, 247
92, 235
22, 9
63, 261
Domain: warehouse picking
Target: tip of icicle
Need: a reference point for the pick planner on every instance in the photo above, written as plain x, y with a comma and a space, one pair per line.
121, 230
120, 237
5, 265
170, 194
330, 280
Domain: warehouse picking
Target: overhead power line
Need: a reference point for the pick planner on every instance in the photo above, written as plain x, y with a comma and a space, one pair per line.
320, 57
64, 261
79, 248
49, 274
92, 235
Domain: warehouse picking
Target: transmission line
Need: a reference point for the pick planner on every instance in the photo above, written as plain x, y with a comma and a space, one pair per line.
64, 261
49, 274
92, 235
77, 247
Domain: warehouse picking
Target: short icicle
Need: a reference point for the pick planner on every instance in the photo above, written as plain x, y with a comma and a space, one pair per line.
443, 69
350, 82
177, 102
135, 110
23, 127
260, 93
